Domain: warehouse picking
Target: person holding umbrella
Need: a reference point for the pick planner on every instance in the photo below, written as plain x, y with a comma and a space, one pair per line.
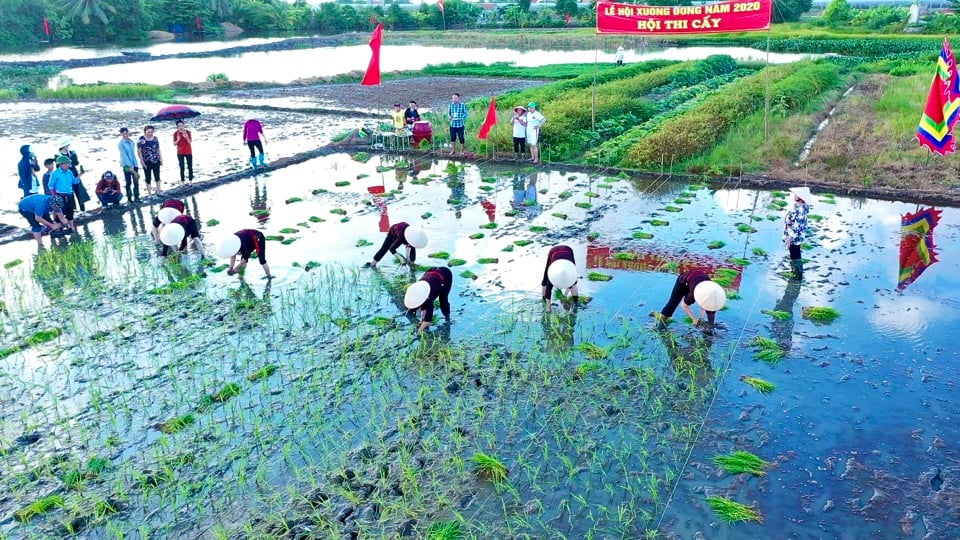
694, 286
79, 191
108, 190
177, 231
254, 138
435, 284
245, 243
36, 209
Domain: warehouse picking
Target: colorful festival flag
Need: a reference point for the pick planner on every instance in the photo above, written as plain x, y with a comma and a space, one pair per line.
490, 121
372, 76
916, 244
943, 103
567, 18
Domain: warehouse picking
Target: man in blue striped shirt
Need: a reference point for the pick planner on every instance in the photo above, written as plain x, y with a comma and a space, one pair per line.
458, 118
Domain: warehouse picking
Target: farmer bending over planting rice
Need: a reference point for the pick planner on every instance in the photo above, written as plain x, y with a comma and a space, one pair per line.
181, 227
36, 209
170, 209
694, 286
795, 228
434, 284
401, 234
244, 242
560, 272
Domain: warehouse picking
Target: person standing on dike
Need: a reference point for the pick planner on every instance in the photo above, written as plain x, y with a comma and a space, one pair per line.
795, 228
129, 164
183, 140
435, 284
148, 147
254, 138
401, 234
79, 191
535, 121
519, 123
36, 209
561, 272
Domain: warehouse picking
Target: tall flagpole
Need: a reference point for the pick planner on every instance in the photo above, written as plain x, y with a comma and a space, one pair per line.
593, 101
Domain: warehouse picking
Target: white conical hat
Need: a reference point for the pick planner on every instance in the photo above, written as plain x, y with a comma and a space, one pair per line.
172, 234
416, 295
710, 296
228, 246
166, 215
416, 236
803, 193
562, 274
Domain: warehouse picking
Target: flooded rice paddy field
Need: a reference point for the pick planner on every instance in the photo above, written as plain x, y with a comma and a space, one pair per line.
94, 129
149, 399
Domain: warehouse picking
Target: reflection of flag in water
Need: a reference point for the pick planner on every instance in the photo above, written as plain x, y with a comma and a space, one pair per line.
916, 244
490, 209
943, 104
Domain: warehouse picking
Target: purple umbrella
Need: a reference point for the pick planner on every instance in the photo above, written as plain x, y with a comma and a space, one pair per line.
174, 112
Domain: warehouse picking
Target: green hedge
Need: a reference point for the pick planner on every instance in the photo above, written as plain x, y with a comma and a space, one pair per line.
700, 128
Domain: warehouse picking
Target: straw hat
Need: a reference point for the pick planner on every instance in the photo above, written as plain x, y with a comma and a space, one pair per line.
562, 274
228, 247
802, 193
710, 296
64, 142
416, 295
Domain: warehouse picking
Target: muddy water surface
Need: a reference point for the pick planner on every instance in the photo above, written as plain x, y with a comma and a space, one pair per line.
596, 414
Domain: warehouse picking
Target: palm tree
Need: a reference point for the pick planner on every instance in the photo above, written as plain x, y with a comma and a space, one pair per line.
85, 8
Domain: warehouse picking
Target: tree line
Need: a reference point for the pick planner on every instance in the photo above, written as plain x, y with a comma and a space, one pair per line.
100, 21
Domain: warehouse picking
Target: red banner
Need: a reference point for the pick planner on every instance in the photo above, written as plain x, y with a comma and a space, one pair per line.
736, 16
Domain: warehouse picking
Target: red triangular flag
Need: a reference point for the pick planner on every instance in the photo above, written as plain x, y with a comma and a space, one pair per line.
440, 5
490, 121
46, 26
372, 77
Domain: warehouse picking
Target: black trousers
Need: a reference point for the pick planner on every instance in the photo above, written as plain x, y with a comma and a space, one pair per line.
255, 144
389, 241
188, 158
519, 145
151, 170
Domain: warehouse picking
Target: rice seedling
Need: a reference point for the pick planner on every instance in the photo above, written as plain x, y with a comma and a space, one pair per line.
820, 314
640, 235
762, 386
490, 225
778, 204
38, 508
599, 276
585, 369
342, 183
75, 477
292, 200
537, 229
670, 208
732, 511
445, 530
732, 295
488, 260
508, 213
508, 248
213, 222
828, 200
311, 265
456, 262
344, 219
593, 351
584, 205
477, 236
716, 244
773, 217
43, 336
489, 180
779, 315
467, 274
363, 242
744, 228
339, 211
522, 243
384, 168
625, 257
696, 187
12, 264
559, 215
426, 215
439, 255
380, 320
768, 350
487, 189
756, 218
288, 230
262, 373
777, 194
176, 424
759, 252
361, 176
489, 467
681, 200
592, 235
659, 222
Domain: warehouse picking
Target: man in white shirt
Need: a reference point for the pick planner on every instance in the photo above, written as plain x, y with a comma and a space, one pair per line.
535, 121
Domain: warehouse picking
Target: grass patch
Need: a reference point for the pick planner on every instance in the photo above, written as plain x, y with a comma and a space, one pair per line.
716, 244
466, 274
585, 369
598, 276
476, 236
11, 264
733, 512
659, 222
488, 260
43, 336
444, 530
593, 351
176, 424
820, 314
741, 462
762, 386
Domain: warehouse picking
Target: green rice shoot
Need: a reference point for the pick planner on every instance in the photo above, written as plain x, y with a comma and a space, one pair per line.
741, 462
733, 512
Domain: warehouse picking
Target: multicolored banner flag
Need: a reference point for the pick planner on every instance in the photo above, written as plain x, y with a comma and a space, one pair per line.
943, 103
372, 76
490, 121
916, 244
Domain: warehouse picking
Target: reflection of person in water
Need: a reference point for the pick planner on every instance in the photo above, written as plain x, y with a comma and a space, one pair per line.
247, 299
558, 330
396, 290
458, 194
113, 224
694, 286
689, 354
401, 234
258, 204
782, 329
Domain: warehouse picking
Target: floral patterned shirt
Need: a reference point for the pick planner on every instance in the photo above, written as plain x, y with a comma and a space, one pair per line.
795, 224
